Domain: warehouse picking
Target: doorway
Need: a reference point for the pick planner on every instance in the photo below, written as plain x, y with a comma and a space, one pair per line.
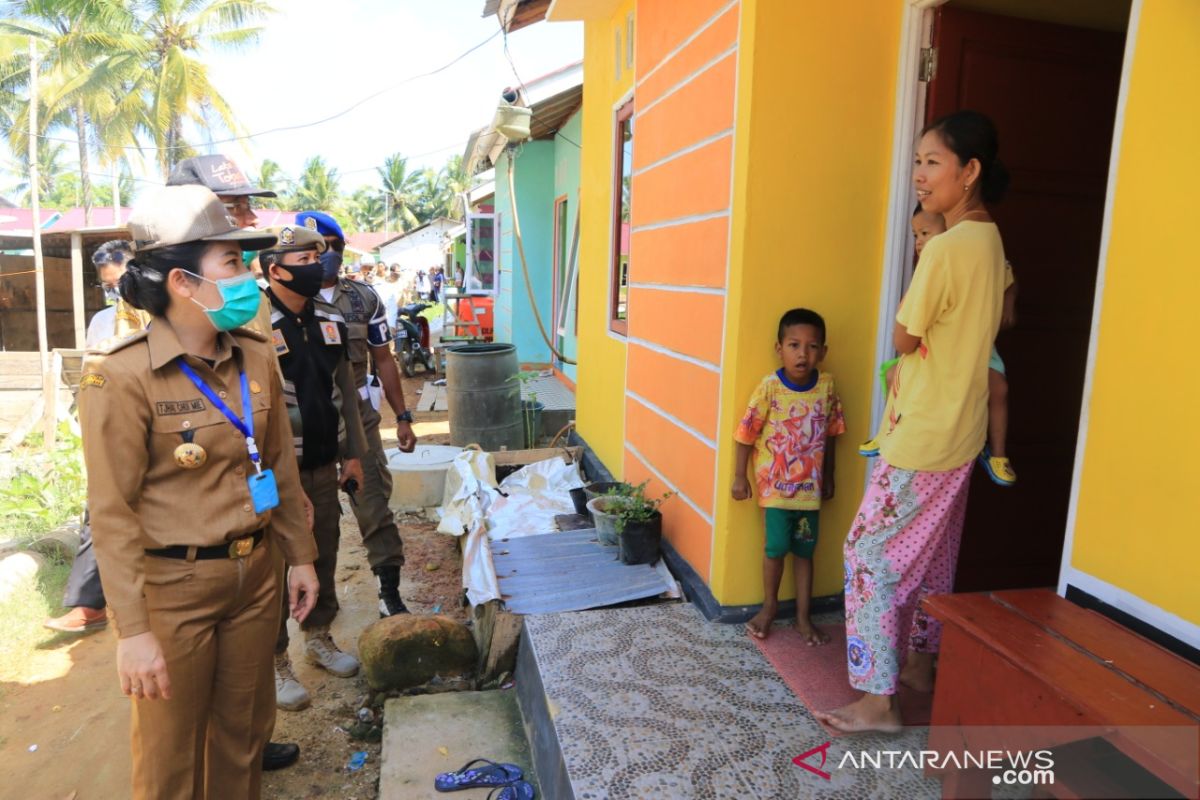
1051, 87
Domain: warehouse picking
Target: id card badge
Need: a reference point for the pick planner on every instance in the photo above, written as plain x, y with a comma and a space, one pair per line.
263, 491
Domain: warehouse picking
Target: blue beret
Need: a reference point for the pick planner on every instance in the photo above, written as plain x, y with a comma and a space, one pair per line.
321, 222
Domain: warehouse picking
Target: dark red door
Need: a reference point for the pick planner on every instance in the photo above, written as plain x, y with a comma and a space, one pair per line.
1052, 92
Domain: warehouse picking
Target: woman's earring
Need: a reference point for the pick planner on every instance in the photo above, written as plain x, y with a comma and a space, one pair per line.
966, 187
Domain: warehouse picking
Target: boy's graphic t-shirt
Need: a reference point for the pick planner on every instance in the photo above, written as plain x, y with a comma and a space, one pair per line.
788, 425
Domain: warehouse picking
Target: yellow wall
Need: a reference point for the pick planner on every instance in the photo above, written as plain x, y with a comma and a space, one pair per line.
1136, 526
600, 395
811, 175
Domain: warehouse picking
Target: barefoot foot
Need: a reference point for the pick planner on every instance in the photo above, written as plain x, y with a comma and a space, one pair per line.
811, 634
917, 673
871, 712
760, 626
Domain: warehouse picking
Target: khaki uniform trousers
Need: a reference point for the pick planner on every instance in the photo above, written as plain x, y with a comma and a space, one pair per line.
321, 486
380, 535
213, 619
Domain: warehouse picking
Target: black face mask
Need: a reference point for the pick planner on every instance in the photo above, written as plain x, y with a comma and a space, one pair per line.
306, 279
331, 264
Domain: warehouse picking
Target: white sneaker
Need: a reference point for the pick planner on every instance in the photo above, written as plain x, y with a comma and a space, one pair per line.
320, 650
290, 694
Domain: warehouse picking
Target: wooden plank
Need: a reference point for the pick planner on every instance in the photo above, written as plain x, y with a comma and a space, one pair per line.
1175, 678
428, 396
524, 457
441, 402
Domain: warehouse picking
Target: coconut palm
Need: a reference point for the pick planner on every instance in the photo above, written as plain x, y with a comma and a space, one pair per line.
367, 210
174, 79
272, 178
51, 170
81, 45
453, 184
403, 188
317, 188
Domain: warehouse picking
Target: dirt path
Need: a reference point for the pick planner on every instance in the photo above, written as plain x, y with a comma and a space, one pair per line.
71, 708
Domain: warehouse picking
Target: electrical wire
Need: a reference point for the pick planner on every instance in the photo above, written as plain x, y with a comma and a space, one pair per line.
301, 126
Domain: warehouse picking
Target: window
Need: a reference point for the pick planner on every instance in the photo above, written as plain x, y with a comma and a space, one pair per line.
480, 275
622, 185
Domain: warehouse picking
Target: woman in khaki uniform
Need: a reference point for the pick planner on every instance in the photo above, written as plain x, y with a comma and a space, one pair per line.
192, 479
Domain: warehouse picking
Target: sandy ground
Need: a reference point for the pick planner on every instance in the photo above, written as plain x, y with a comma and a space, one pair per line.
71, 708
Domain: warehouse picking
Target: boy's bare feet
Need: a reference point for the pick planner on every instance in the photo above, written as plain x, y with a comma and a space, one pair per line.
871, 712
760, 626
917, 673
811, 634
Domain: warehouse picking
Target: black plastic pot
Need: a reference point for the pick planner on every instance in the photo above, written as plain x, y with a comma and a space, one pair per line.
600, 488
579, 500
641, 541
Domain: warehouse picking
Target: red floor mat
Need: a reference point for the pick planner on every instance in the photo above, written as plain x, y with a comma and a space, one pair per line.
817, 675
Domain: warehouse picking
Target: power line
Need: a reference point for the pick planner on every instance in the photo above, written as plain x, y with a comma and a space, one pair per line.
301, 126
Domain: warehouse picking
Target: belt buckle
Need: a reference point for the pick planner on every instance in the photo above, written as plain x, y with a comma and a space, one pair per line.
240, 548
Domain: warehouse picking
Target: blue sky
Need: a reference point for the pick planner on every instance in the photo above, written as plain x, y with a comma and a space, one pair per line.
317, 58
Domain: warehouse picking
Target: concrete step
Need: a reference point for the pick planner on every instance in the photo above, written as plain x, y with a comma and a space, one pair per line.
433, 733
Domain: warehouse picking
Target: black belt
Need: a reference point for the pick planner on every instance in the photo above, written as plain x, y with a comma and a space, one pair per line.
238, 548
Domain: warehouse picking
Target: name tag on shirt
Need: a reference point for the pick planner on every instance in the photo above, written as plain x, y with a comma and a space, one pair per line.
330, 332
281, 347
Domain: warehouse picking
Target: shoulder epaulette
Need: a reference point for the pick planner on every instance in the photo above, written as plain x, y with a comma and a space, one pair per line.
115, 343
250, 332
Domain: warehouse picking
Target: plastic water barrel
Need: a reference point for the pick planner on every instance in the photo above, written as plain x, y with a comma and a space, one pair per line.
483, 396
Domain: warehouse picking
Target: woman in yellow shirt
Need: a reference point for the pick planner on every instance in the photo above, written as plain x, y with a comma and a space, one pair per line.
904, 543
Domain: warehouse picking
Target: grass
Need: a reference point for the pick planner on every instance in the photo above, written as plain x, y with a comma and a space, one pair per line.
45, 490
22, 615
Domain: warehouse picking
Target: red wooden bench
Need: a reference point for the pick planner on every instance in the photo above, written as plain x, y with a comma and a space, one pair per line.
1064, 674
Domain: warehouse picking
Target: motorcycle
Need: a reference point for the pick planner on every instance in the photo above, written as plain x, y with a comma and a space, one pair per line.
412, 339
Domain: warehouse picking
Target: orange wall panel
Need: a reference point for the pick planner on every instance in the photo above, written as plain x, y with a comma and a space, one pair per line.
663, 25
684, 390
695, 254
715, 39
680, 321
696, 112
688, 532
680, 457
696, 183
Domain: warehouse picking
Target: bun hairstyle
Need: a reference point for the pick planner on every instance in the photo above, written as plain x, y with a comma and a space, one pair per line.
973, 135
144, 284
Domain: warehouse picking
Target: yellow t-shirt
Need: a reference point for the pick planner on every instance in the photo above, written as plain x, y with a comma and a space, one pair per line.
789, 426
938, 416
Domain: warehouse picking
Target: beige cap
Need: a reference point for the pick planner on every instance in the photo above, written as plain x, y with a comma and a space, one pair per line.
181, 214
294, 237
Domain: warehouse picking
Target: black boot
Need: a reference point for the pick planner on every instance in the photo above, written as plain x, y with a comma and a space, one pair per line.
390, 603
277, 755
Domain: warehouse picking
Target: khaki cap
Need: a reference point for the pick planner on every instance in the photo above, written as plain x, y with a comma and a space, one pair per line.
181, 214
293, 238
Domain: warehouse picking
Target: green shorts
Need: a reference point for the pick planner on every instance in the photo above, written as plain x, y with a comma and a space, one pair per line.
792, 532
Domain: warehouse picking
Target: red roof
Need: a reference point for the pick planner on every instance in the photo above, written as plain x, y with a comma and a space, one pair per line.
367, 242
102, 217
21, 219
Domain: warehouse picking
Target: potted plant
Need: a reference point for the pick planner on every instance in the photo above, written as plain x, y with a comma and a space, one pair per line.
531, 409
605, 511
638, 523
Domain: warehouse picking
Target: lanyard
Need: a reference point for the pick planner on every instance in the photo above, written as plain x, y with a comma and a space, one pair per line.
245, 427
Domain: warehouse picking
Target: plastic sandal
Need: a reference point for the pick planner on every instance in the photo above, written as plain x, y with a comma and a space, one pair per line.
869, 448
998, 469
521, 790
470, 777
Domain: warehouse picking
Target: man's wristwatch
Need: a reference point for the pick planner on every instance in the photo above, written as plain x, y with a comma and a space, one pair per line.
404, 416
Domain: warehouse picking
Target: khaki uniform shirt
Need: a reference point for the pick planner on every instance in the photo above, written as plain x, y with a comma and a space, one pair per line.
136, 407
366, 319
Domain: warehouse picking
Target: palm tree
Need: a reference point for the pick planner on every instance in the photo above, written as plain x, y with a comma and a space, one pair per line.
81, 45
454, 183
367, 210
403, 189
318, 187
272, 178
175, 79
50, 171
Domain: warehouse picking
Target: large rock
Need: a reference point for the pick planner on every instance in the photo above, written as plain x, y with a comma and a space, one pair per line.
18, 574
410, 650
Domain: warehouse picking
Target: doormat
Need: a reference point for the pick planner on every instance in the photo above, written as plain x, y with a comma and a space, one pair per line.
818, 677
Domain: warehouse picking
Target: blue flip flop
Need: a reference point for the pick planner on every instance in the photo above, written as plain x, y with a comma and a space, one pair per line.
471, 777
519, 790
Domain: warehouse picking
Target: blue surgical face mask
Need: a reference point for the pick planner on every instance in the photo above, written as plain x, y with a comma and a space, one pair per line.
240, 297
331, 264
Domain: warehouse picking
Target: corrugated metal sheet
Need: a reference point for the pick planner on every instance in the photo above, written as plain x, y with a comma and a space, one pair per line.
558, 572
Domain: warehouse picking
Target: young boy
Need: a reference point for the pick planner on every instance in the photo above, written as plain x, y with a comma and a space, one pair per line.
792, 416
926, 225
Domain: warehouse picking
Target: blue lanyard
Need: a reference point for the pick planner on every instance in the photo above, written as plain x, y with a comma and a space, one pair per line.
245, 427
